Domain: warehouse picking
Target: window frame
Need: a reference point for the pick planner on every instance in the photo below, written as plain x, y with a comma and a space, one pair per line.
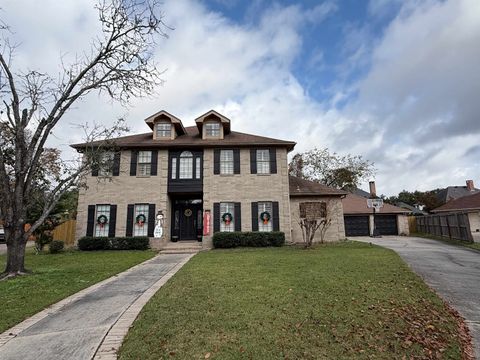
105, 164
214, 127
163, 133
262, 206
97, 230
185, 168
143, 164
135, 227
262, 164
227, 206
227, 164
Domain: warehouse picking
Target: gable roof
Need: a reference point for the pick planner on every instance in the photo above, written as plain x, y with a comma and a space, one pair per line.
413, 209
302, 187
177, 123
454, 192
192, 139
213, 114
361, 192
355, 204
464, 203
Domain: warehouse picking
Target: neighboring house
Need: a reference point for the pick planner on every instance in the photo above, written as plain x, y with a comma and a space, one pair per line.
390, 220
455, 192
202, 179
465, 204
307, 191
414, 210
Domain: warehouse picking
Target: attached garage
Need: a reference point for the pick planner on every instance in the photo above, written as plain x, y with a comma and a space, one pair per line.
390, 220
386, 224
357, 225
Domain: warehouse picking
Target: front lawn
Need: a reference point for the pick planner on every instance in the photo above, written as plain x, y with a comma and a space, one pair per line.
343, 301
57, 276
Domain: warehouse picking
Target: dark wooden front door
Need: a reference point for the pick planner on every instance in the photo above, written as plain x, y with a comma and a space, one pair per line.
187, 220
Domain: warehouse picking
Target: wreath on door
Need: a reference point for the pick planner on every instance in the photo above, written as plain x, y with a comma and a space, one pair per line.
141, 219
265, 217
102, 220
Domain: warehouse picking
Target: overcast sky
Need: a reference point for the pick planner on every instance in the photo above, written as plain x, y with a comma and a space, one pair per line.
396, 81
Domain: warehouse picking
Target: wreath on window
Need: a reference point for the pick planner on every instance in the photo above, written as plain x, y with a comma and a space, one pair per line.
265, 217
102, 220
141, 219
227, 218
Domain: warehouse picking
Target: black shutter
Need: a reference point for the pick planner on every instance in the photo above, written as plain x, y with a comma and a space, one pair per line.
113, 221
154, 164
216, 217
133, 163
273, 161
236, 161
95, 167
90, 220
275, 216
116, 164
238, 216
253, 161
151, 220
254, 216
129, 227
216, 161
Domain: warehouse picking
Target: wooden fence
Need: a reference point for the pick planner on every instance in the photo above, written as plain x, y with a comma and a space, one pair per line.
453, 226
412, 224
65, 232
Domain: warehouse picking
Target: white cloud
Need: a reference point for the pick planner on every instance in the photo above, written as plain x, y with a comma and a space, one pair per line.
414, 113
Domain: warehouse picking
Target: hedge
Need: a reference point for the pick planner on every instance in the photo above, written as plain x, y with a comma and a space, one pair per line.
254, 239
117, 243
56, 246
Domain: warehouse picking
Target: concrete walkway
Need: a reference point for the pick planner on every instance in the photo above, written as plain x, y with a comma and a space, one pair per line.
453, 271
76, 327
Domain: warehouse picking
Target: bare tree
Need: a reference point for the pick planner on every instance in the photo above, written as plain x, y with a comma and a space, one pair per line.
118, 64
314, 216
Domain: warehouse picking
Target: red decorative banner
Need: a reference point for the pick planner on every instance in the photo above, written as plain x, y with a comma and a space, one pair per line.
206, 222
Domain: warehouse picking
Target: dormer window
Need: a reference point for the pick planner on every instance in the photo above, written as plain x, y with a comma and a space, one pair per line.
164, 130
212, 129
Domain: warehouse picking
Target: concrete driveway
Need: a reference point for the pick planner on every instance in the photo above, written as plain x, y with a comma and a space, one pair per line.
453, 271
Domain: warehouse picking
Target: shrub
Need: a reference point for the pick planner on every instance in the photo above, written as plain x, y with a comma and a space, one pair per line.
130, 243
254, 239
116, 243
93, 243
56, 246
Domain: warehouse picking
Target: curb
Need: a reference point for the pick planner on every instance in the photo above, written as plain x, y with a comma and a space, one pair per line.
108, 348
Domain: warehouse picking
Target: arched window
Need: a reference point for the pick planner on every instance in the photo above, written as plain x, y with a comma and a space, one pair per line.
186, 165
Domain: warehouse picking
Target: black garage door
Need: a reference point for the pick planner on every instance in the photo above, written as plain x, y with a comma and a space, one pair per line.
386, 224
356, 226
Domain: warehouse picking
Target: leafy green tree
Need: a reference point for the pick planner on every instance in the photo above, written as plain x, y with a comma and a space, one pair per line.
340, 171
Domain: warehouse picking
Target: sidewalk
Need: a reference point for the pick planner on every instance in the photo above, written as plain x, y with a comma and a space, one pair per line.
76, 327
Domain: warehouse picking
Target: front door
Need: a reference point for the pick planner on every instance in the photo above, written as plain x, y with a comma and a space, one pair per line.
187, 220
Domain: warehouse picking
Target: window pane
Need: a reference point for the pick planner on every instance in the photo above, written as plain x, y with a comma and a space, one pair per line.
174, 168
139, 228
226, 161
197, 168
265, 224
212, 129
186, 165
164, 130
263, 161
227, 223
105, 166
101, 228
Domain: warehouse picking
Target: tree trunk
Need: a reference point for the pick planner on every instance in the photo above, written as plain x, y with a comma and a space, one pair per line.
16, 244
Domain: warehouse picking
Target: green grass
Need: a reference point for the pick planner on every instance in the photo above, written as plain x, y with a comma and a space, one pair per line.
474, 245
57, 276
343, 301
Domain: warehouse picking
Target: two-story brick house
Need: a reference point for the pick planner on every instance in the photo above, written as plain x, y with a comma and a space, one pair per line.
239, 181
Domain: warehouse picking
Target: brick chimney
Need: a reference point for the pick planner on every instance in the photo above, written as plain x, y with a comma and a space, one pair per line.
470, 185
373, 190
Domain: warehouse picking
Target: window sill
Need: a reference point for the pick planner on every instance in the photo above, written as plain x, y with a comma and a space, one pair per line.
264, 174
228, 175
143, 176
